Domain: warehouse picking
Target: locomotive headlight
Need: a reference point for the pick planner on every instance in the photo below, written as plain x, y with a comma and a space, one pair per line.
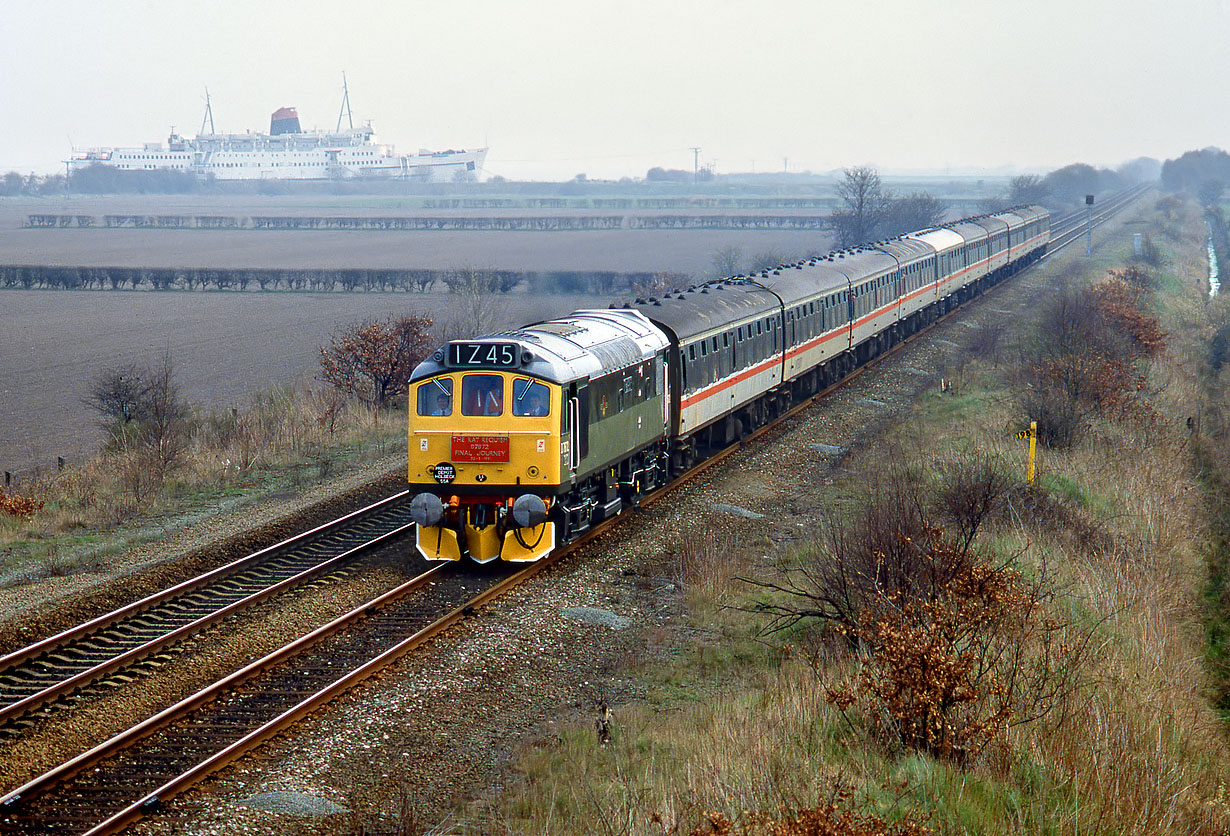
426, 510
529, 511
532, 470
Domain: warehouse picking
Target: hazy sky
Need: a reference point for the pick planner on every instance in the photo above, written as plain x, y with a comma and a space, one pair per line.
559, 87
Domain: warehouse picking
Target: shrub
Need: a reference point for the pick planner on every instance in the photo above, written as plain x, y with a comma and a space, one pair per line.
837, 818
954, 648
372, 360
21, 507
1060, 417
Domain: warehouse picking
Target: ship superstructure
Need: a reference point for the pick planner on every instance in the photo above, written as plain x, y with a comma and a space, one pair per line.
288, 153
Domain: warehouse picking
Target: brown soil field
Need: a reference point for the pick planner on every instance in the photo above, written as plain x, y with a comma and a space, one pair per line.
225, 347
622, 250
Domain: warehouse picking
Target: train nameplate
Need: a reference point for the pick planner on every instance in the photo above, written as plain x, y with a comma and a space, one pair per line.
480, 448
484, 355
444, 473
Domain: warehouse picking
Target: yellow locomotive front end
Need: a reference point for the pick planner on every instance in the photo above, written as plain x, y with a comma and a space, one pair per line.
484, 455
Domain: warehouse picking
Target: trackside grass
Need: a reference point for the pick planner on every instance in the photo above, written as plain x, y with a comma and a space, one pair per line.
1092, 587
281, 442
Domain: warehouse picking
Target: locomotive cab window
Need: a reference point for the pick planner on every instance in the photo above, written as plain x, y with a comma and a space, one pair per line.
482, 394
530, 399
435, 397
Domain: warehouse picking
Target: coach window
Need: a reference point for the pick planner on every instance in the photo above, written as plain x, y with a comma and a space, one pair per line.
435, 397
482, 394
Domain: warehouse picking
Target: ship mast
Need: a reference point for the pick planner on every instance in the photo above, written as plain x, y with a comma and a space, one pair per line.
208, 118
345, 107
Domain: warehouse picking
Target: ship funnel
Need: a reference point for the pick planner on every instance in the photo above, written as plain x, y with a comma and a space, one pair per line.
285, 120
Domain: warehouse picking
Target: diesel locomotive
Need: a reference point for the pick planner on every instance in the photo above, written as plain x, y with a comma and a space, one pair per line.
522, 440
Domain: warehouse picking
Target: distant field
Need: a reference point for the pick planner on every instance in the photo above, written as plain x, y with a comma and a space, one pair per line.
623, 250
225, 346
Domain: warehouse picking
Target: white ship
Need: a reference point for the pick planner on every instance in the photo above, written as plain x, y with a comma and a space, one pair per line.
288, 153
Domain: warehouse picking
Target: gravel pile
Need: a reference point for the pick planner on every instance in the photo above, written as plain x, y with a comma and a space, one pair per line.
292, 804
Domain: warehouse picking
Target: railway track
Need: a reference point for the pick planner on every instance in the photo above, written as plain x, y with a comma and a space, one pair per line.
135, 772
1071, 227
131, 638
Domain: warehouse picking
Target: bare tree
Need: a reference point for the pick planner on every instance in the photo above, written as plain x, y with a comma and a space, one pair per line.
1028, 188
165, 428
372, 360
141, 409
766, 260
119, 394
863, 203
477, 307
660, 283
727, 261
906, 214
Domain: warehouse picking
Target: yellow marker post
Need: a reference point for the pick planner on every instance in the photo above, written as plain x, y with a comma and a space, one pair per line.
1033, 441
1032, 435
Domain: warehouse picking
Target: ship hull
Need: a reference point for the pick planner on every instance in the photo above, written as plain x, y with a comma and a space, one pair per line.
300, 156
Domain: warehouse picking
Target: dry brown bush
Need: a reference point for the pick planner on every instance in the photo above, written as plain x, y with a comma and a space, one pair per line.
1061, 419
1121, 300
19, 506
1084, 362
837, 818
372, 360
877, 555
948, 675
954, 647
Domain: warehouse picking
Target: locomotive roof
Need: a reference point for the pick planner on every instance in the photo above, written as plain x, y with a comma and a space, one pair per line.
581, 344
